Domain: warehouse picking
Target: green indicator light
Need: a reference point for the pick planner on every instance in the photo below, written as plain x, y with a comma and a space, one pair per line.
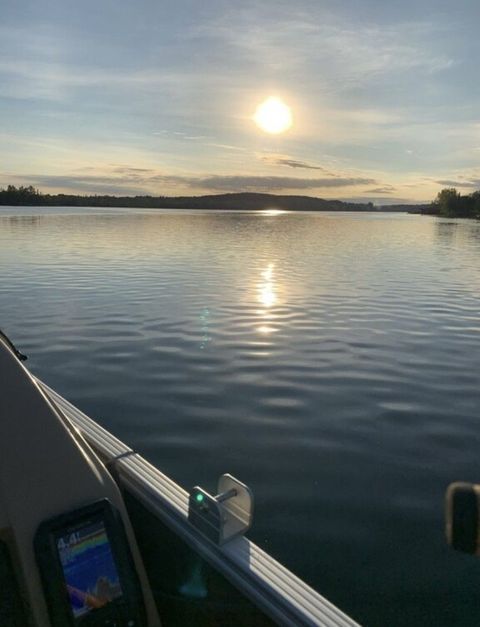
199, 498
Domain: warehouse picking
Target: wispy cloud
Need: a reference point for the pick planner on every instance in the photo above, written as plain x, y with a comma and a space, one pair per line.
57, 81
226, 147
129, 171
289, 162
348, 51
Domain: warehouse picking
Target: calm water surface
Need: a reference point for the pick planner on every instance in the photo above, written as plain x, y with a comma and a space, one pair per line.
330, 361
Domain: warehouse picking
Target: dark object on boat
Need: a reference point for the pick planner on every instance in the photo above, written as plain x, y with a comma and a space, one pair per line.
462, 517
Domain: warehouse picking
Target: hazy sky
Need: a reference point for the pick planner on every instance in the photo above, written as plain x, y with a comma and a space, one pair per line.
157, 96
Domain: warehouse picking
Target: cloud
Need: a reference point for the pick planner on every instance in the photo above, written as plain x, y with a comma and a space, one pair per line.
227, 147
387, 189
475, 183
143, 181
181, 135
273, 183
86, 185
291, 163
131, 171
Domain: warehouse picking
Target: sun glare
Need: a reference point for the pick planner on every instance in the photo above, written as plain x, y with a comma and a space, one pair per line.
273, 116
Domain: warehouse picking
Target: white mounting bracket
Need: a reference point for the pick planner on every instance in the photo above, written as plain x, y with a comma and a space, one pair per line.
225, 516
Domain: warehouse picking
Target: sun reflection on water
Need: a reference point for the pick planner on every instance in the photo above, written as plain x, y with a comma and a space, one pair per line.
266, 288
267, 297
272, 212
265, 330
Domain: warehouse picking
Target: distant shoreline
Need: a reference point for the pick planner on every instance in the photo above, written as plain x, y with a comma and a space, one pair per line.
243, 201
448, 203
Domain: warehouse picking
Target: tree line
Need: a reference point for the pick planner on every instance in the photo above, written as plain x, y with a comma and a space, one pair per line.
451, 204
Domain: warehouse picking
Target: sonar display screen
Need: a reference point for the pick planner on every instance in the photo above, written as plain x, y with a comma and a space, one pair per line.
89, 568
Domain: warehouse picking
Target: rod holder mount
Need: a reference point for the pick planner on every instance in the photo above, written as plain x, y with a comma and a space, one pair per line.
225, 516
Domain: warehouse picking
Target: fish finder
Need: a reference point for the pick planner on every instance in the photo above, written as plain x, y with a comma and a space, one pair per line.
87, 569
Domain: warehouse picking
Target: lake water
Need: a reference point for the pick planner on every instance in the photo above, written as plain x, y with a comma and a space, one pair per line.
329, 361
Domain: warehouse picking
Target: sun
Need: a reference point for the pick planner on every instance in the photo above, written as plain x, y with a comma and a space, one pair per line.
273, 116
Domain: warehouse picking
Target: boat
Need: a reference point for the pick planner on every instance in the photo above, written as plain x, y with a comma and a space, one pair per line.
92, 534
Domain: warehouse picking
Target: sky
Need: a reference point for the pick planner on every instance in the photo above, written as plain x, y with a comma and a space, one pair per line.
158, 97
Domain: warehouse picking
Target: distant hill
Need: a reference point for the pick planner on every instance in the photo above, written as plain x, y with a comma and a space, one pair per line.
254, 201
245, 201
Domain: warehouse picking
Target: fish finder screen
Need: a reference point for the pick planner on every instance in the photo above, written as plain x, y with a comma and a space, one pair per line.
89, 568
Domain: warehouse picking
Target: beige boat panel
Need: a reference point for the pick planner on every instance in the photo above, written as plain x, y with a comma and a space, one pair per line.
45, 470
